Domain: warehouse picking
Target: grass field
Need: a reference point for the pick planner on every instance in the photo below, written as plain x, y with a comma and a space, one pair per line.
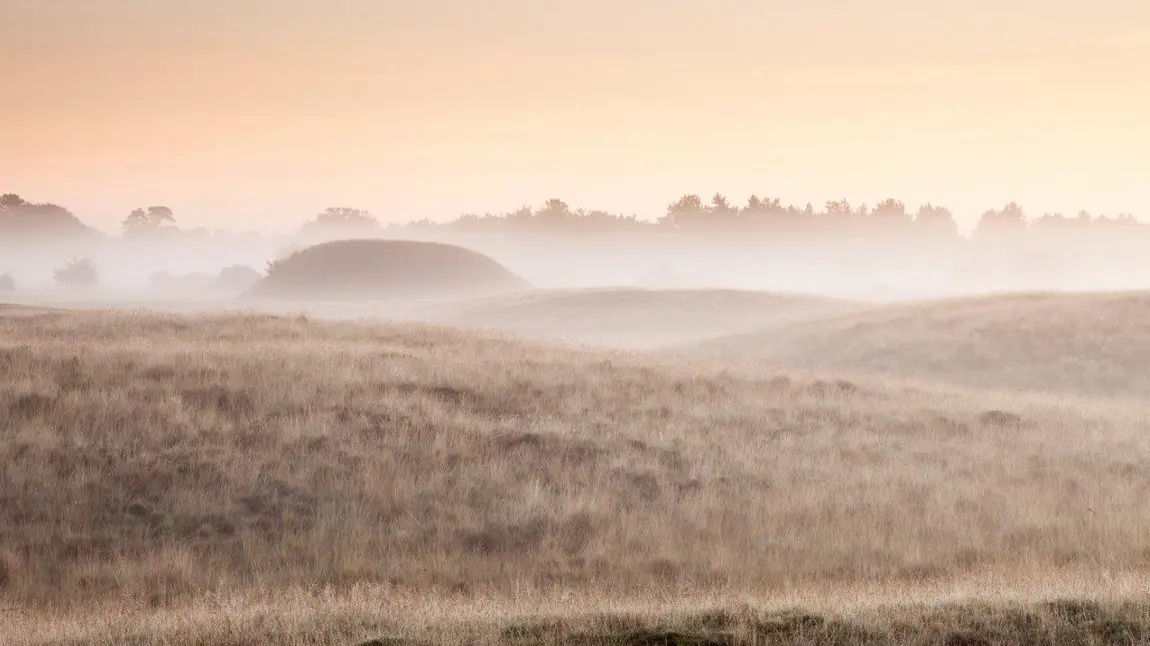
1096, 344
248, 479
635, 318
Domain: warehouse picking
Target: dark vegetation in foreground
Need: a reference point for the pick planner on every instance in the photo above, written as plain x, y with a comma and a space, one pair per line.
1059, 622
1064, 622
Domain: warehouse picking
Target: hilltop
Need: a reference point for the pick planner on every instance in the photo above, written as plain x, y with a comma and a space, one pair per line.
373, 269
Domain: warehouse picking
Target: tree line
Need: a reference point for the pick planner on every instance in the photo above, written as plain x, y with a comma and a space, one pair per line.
690, 216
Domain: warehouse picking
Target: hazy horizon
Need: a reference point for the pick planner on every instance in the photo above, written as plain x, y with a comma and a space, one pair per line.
259, 114
736, 425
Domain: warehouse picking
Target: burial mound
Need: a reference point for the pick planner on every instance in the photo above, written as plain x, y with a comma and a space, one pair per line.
375, 269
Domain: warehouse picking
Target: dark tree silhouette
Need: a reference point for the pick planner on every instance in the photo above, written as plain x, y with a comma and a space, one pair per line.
555, 211
22, 219
935, 221
839, 208
723, 213
154, 220
1121, 220
339, 221
892, 211
10, 202
1010, 221
687, 213
763, 212
889, 221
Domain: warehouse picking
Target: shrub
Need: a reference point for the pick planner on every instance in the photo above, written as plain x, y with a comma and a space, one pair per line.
80, 272
282, 255
237, 278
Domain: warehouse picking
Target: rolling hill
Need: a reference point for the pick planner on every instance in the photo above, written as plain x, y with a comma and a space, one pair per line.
634, 318
252, 479
1096, 344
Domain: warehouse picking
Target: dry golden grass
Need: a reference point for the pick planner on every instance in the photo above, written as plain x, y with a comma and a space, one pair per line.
234, 479
1043, 610
1095, 344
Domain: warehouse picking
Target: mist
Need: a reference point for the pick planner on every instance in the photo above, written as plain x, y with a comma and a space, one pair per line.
888, 252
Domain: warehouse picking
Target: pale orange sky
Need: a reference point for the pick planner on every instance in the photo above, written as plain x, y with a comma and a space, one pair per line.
260, 113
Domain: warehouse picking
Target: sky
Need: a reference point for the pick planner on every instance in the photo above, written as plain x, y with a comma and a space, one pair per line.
258, 114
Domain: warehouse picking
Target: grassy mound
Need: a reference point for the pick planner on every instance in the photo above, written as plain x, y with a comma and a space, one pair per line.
372, 269
637, 318
1097, 344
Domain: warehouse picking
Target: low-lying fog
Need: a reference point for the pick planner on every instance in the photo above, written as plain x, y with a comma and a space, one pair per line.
136, 269
622, 291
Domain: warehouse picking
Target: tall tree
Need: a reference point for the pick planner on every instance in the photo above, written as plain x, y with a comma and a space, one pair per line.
154, 220
10, 202
838, 208
889, 219
1008, 222
891, 210
342, 220
554, 211
935, 221
723, 214
20, 218
688, 212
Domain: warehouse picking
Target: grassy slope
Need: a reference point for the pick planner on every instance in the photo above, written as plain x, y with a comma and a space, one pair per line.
150, 461
636, 318
1095, 344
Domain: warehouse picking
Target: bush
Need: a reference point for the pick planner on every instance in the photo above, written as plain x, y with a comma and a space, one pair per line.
80, 272
237, 278
7, 283
282, 255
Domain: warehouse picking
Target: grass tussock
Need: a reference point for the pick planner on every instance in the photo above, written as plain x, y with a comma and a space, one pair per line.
153, 465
